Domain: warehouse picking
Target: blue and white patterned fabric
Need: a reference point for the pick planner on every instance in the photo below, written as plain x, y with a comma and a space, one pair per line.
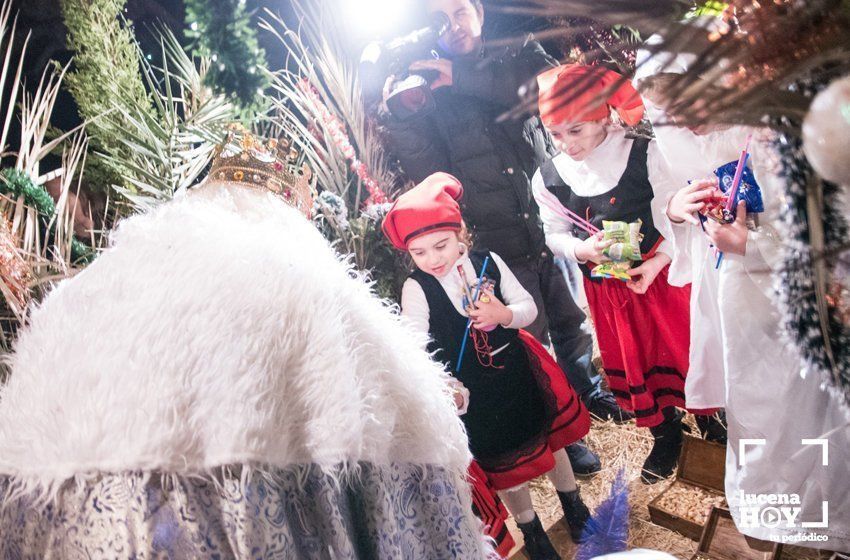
192, 393
399, 511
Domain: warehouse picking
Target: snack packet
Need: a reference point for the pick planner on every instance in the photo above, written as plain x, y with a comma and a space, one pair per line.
626, 237
715, 208
748, 191
612, 269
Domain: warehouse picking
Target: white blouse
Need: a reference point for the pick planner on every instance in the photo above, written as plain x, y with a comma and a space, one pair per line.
595, 175
414, 305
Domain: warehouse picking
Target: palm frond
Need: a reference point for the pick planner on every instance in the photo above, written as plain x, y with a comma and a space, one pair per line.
36, 110
169, 142
62, 223
317, 103
738, 77
37, 233
316, 56
646, 17
745, 77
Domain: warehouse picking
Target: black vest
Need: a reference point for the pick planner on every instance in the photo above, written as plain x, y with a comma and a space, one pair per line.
507, 414
628, 201
447, 326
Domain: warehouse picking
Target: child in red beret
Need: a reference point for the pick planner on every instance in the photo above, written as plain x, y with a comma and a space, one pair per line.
642, 324
520, 412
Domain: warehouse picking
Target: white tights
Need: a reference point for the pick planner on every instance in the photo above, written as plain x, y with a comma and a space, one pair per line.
518, 498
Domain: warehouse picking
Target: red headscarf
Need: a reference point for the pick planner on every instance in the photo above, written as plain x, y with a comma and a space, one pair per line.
576, 93
429, 206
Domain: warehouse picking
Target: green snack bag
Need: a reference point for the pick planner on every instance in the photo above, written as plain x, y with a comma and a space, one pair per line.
626, 237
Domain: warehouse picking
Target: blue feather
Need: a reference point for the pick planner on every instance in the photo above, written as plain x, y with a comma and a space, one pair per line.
607, 531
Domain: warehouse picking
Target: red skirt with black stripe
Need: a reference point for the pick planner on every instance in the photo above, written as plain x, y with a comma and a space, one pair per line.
490, 509
567, 421
644, 341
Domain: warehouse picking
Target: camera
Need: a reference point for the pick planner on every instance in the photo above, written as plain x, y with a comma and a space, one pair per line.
410, 95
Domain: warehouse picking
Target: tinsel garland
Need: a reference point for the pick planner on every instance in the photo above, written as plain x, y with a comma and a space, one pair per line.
15, 184
222, 31
329, 210
607, 531
340, 139
802, 319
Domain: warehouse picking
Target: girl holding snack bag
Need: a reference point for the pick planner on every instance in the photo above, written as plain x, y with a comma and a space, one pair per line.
519, 411
593, 197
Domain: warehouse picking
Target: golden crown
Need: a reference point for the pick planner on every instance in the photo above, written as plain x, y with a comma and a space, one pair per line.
277, 166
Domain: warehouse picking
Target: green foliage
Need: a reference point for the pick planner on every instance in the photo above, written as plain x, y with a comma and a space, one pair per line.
388, 266
15, 184
222, 31
710, 8
153, 129
106, 75
359, 235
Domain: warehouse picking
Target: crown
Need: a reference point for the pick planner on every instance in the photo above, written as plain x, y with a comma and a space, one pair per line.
276, 166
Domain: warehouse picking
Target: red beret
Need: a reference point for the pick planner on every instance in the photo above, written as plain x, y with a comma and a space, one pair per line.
576, 93
429, 206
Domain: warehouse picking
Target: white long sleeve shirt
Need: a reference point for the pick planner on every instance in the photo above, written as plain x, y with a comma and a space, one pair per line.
595, 175
414, 305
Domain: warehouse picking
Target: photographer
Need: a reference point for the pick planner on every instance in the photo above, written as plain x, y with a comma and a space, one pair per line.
472, 85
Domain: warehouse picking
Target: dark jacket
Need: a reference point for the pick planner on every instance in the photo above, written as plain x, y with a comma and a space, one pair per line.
494, 160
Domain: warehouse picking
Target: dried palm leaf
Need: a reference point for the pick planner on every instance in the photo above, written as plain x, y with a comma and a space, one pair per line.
7, 35
316, 56
741, 76
318, 103
36, 233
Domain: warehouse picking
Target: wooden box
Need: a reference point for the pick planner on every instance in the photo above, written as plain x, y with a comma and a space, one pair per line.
699, 477
721, 540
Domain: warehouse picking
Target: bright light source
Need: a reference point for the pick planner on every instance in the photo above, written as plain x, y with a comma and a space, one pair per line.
376, 19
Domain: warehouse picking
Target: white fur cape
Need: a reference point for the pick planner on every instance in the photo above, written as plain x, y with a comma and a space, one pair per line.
219, 329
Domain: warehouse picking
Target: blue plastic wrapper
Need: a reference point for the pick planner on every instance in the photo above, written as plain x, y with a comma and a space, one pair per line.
748, 190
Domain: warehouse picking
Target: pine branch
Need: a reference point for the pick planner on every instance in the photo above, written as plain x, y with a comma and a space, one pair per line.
105, 75
222, 31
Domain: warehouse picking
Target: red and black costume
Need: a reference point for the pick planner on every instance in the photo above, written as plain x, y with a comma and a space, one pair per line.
521, 408
643, 338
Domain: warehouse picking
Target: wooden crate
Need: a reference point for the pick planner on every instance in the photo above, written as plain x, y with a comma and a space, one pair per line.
721, 540
702, 465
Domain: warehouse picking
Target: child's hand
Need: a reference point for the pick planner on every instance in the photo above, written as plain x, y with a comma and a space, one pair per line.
689, 200
490, 312
458, 397
460, 394
647, 272
730, 238
591, 248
